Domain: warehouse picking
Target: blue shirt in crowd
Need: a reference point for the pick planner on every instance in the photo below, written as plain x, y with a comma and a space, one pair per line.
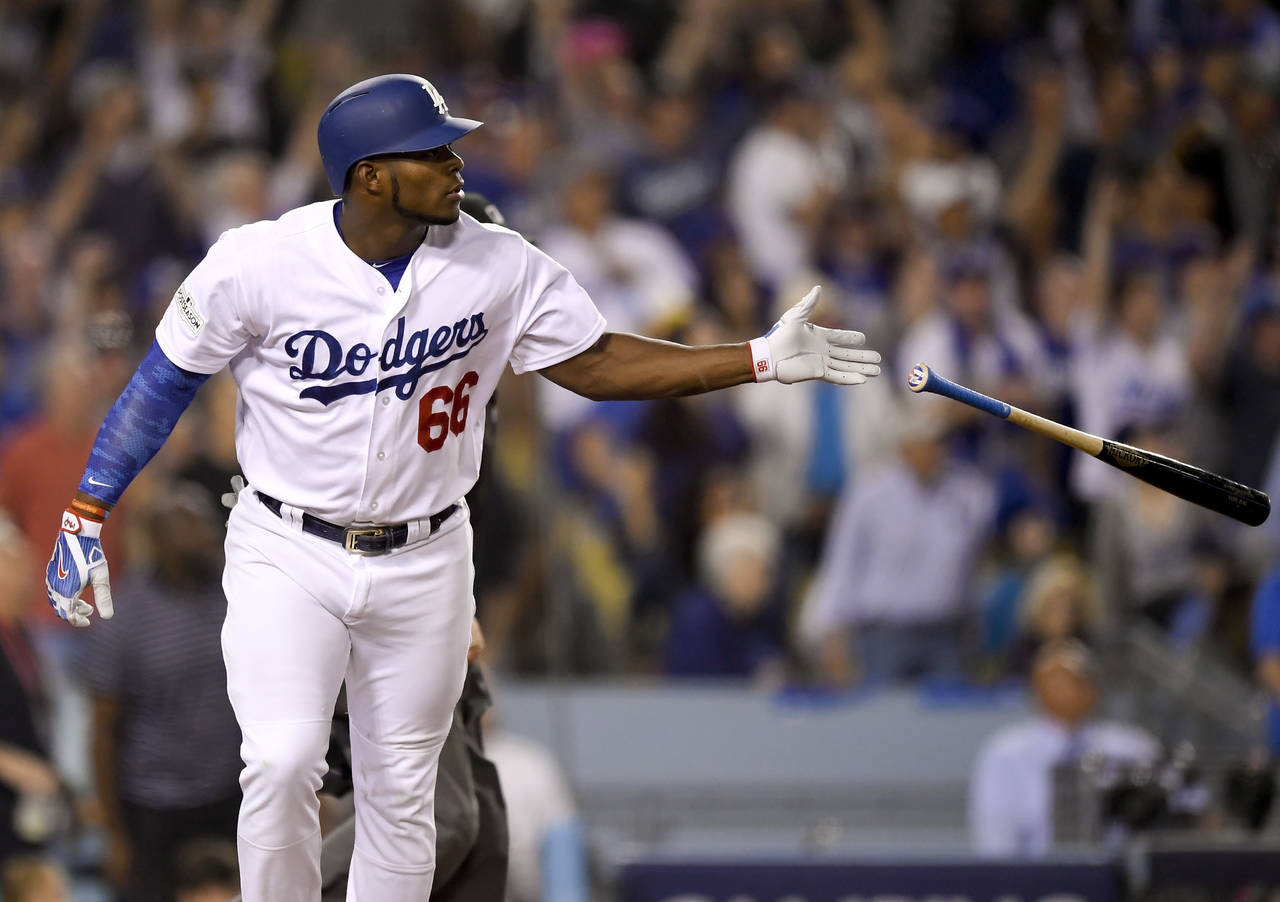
705, 641
1266, 640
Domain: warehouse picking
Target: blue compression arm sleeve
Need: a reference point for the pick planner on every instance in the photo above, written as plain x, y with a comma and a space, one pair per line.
138, 424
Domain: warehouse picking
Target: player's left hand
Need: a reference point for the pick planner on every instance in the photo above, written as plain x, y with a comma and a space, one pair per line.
78, 562
230, 498
799, 350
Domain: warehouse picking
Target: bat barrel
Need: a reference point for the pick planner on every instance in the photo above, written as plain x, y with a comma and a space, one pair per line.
1210, 490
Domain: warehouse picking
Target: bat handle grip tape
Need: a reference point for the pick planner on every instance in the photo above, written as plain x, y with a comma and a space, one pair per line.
923, 379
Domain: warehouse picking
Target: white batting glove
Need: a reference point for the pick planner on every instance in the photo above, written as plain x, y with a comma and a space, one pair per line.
795, 350
77, 562
230, 498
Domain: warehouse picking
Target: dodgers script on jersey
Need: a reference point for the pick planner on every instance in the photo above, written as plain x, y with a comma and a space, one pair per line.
360, 403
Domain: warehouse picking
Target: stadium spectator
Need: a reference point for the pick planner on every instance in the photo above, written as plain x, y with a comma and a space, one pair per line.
1115, 135
1011, 791
673, 178
203, 66
781, 184
1026, 541
871, 607
1265, 645
1145, 542
159, 690
608, 528
600, 88
694, 444
546, 858
1248, 384
115, 182
1130, 366
1057, 307
1028, 151
855, 252
1059, 602
635, 272
730, 624
26, 276
953, 193
41, 459
29, 785
46, 455
972, 339
1252, 143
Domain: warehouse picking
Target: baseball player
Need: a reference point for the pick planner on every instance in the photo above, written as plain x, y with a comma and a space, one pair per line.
365, 336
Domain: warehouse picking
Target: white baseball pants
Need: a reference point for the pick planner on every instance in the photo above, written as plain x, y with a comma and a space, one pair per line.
303, 614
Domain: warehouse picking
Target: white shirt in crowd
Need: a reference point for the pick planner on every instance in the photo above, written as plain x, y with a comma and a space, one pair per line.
1118, 382
930, 186
773, 173
932, 341
881, 531
639, 278
538, 799
173, 106
1011, 791
635, 271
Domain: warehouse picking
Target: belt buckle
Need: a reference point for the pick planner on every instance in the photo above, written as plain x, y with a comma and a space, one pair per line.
353, 533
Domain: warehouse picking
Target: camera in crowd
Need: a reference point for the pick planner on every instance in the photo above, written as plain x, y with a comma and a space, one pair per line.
1174, 792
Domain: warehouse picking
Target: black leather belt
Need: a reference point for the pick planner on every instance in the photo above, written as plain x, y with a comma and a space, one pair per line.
359, 539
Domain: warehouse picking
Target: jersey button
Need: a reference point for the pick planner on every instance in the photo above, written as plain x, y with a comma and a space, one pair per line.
386, 401
382, 289
382, 455
373, 506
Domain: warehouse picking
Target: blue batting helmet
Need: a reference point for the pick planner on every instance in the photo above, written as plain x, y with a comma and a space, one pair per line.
387, 114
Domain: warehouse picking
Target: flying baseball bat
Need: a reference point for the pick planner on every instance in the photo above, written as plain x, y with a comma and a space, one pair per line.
1193, 484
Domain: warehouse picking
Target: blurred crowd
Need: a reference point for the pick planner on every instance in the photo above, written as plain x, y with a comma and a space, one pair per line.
1072, 206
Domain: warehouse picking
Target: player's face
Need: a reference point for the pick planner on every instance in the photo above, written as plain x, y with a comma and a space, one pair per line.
427, 186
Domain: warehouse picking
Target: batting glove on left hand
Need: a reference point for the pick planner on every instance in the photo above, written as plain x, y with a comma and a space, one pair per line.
795, 350
78, 561
230, 498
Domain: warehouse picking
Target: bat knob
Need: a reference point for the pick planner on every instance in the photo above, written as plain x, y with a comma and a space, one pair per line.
919, 378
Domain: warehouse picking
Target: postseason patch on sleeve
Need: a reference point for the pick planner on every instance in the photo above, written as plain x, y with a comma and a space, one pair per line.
185, 305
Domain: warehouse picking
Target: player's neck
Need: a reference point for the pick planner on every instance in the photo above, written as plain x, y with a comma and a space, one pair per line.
378, 235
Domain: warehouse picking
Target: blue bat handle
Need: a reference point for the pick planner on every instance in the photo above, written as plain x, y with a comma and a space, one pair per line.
924, 379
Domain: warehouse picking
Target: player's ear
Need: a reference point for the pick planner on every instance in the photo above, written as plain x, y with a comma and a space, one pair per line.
366, 176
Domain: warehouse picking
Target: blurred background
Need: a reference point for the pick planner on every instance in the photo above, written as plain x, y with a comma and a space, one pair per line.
780, 642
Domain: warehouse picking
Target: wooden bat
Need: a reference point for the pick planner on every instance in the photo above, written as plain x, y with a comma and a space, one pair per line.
1193, 484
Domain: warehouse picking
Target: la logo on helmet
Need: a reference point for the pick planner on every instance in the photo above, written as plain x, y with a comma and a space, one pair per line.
435, 98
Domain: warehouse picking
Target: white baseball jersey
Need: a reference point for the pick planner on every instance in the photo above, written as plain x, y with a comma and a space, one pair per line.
360, 403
